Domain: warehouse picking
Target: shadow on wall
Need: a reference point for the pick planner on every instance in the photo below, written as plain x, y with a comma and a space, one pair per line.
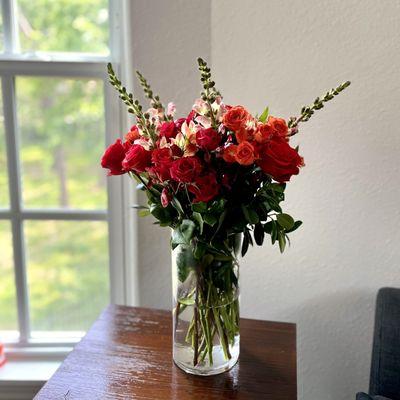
335, 336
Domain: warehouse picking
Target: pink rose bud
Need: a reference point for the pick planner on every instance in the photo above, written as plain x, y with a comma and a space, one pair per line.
165, 197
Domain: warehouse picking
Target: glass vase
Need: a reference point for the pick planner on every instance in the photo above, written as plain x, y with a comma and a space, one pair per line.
205, 311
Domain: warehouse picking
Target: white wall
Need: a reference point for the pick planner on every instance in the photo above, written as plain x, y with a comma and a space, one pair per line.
284, 53
168, 38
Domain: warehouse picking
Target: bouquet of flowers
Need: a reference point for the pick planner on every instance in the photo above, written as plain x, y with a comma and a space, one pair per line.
217, 178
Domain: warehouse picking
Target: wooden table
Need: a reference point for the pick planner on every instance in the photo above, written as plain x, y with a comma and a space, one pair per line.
127, 355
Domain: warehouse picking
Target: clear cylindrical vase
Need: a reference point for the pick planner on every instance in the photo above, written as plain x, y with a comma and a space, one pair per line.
205, 310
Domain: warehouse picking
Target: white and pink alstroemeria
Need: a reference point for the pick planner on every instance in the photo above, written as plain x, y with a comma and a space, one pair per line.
144, 142
156, 116
171, 109
186, 139
163, 142
219, 108
189, 131
201, 107
204, 121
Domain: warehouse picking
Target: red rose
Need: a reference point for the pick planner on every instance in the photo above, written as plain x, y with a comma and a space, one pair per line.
162, 160
208, 139
235, 118
280, 160
137, 158
113, 157
161, 156
185, 169
179, 122
168, 130
279, 126
245, 153
205, 188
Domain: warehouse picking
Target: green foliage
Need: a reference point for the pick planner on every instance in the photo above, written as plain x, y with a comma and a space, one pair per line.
154, 99
64, 25
199, 219
183, 233
308, 111
264, 116
285, 221
210, 93
134, 107
61, 128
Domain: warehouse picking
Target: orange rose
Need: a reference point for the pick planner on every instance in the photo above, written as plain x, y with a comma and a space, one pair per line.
229, 153
242, 134
279, 125
245, 153
264, 133
235, 118
133, 134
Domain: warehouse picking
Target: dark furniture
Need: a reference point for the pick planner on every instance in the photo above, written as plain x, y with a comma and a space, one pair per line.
127, 355
385, 365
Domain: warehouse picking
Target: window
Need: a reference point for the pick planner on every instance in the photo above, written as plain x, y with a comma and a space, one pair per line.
55, 219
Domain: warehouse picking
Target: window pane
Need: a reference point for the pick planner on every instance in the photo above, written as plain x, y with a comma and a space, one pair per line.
8, 308
61, 124
67, 265
64, 25
3, 160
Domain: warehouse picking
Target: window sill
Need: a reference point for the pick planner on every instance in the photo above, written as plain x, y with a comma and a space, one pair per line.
21, 380
25, 372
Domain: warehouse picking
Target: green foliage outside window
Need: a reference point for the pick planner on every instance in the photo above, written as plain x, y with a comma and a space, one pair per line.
61, 126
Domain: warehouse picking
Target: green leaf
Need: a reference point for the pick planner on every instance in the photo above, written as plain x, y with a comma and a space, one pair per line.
221, 220
187, 228
278, 187
199, 250
187, 301
177, 238
268, 227
207, 259
144, 212
217, 206
274, 232
210, 219
183, 233
199, 219
296, 225
275, 205
263, 117
259, 234
222, 257
282, 241
245, 245
177, 205
250, 215
285, 221
185, 262
199, 207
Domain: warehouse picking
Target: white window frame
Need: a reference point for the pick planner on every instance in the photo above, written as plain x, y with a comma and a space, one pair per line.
121, 219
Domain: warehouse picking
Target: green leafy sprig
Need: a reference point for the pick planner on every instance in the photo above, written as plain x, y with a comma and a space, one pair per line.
134, 107
154, 99
308, 111
210, 93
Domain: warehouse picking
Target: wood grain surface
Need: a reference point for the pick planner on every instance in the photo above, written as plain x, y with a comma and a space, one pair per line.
127, 354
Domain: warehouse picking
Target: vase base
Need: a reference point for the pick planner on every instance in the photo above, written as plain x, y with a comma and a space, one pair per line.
183, 358
206, 372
